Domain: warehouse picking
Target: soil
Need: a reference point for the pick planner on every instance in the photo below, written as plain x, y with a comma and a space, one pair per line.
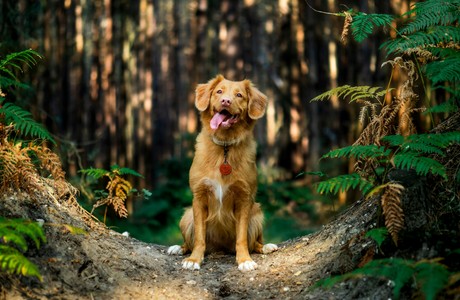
104, 264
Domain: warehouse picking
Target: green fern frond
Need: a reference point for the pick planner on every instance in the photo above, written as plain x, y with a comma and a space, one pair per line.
12, 261
431, 277
97, 173
11, 237
359, 152
441, 140
23, 122
431, 13
6, 82
421, 165
422, 148
450, 106
417, 141
353, 92
444, 70
344, 183
14, 231
15, 61
435, 36
363, 24
124, 171
398, 270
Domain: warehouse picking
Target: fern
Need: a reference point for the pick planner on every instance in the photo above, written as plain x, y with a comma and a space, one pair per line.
363, 24
353, 92
14, 61
11, 113
424, 142
117, 190
359, 152
14, 262
13, 233
430, 276
444, 70
437, 35
23, 122
392, 209
124, 171
431, 13
97, 173
421, 165
450, 106
344, 183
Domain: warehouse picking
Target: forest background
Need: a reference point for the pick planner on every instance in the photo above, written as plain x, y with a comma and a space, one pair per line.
116, 87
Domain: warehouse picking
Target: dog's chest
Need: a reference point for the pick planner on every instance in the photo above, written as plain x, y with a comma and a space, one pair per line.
218, 188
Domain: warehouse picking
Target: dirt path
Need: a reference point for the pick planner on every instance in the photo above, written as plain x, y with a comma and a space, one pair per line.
104, 264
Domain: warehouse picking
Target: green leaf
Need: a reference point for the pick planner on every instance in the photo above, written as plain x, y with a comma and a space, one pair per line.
75, 230
379, 235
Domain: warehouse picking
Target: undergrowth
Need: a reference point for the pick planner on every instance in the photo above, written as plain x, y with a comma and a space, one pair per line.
13, 244
117, 189
426, 50
26, 164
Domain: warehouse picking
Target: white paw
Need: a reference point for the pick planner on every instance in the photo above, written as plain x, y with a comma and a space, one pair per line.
175, 250
269, 248
190, 265
248, 265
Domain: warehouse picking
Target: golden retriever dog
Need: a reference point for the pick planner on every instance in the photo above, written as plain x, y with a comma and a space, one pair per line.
223, 177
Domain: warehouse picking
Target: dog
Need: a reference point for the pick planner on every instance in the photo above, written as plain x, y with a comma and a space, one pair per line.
223, 177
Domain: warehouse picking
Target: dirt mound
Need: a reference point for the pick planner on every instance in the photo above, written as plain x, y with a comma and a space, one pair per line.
103, 264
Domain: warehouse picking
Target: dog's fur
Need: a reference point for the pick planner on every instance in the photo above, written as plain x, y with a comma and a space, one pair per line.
224, 215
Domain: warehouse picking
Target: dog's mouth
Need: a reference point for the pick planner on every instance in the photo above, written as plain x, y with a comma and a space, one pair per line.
223, 118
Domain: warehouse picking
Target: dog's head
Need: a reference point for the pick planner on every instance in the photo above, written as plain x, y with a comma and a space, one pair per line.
228, 108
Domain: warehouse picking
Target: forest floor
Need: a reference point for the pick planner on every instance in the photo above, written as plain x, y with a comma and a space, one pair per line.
104, 264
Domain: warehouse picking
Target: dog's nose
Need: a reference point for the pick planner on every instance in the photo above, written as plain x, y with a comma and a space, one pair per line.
226, 101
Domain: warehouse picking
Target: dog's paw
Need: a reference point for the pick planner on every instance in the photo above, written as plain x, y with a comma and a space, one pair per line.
269, 248
175, 250
190, 265
248, 265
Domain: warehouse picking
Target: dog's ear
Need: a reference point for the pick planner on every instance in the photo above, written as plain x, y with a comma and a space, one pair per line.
203, 92
257, 101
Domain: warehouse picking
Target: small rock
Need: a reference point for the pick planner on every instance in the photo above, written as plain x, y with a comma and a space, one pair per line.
191, 282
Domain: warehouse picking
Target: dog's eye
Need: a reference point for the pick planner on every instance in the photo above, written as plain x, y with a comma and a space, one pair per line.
239, 95
219, 91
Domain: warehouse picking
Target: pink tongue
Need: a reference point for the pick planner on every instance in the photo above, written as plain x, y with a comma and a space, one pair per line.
217, 120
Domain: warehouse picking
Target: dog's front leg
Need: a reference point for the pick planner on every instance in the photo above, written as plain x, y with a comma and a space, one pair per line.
200, 213
243, 206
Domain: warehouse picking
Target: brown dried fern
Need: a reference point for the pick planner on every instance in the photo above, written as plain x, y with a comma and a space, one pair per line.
393, 118
346, 28
118, 189
16, 168
392, 210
